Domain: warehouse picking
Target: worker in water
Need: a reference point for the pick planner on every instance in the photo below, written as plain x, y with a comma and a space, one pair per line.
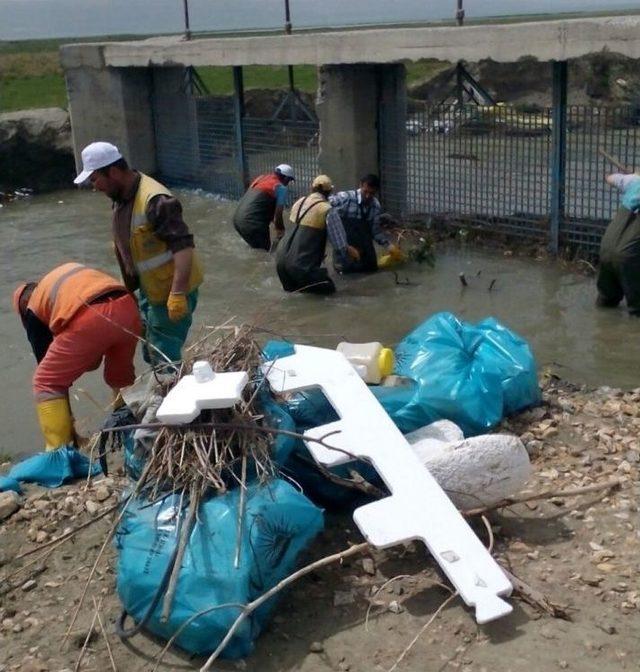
263, 204
154, 248
76, 317
302, 250
360, 212
619, 272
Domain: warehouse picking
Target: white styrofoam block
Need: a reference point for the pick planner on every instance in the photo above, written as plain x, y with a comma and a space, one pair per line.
417, 507
479, 471
202, 390
440, 431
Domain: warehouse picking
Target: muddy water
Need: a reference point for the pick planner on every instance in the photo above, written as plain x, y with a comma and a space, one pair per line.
550, 307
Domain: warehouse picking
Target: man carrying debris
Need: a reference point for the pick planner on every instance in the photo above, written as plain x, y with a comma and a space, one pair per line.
301, 252
76, 317
261, 204
619, 273
154, 248
360, 212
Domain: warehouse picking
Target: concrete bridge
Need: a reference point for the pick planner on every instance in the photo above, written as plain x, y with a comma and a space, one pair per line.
111, 86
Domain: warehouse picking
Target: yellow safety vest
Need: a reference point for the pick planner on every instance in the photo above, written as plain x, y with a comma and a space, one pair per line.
152, 258
314, 211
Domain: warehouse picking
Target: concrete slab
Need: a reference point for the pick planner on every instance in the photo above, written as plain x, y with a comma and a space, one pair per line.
545, 40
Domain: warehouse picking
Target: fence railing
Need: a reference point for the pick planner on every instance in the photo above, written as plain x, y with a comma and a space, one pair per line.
492, 167
204, 150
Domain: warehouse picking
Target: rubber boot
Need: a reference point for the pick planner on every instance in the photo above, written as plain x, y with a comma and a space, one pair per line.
56, 423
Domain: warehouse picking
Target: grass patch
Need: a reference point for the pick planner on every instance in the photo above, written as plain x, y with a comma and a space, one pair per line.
33, 93
31, 75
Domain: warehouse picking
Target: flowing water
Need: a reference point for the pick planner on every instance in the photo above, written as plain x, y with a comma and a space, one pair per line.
551, 307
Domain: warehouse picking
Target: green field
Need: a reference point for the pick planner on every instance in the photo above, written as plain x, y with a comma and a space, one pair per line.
31, 76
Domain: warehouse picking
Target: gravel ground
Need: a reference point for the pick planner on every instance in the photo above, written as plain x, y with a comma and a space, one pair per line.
581, 552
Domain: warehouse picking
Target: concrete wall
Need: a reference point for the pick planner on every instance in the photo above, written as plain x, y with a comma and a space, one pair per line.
362, 110
112, 104
347, 108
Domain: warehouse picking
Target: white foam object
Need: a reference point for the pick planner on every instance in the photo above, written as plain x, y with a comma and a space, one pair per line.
479, 471
417, 507
202, 390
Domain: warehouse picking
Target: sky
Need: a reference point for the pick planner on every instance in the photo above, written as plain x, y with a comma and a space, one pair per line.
31, 19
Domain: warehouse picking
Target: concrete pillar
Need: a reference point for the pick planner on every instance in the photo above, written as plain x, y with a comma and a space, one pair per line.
362, 112
112, 104
347, 107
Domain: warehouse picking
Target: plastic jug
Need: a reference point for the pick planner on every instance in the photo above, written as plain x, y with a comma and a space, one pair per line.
372, 361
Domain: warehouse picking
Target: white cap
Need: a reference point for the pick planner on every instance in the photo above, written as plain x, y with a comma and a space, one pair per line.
97, 155
286, 170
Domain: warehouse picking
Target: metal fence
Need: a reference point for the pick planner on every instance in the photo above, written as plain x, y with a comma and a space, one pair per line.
199, 145
486, 166
492, 167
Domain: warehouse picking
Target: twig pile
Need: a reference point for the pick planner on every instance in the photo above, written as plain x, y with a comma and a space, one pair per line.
214, 453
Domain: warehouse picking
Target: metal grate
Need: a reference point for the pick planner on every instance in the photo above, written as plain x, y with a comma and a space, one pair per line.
486, 166
491, 167
269, 142
198, 146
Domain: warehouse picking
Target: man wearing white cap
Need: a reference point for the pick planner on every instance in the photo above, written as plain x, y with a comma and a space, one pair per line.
154, 248
261, 204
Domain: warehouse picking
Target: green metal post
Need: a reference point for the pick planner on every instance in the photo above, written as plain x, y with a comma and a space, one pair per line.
238, 112
559, 152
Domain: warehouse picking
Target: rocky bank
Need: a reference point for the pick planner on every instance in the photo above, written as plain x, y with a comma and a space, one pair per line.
36, 151
579, 551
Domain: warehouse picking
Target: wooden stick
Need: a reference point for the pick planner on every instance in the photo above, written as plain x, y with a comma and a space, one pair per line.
614, 161
87, 638
66, 536
421, 631
252, 606
100, 552
241, 505
185, 536
535, 598
548, 494
106, 638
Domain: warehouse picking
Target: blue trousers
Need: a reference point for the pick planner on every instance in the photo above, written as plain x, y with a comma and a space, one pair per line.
161, 332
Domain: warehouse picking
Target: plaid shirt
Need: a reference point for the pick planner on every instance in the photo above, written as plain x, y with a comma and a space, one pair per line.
349, 206
335, 231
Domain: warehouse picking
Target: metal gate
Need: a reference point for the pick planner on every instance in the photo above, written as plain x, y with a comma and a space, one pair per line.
201, 142
491, 167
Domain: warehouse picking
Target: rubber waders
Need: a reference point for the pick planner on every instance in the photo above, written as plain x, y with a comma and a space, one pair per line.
56, 423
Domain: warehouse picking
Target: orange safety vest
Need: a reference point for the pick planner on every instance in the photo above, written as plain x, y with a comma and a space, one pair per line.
65, 290
267, 184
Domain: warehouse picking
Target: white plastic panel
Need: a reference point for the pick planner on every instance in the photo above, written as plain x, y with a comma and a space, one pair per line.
202, 390
417, 508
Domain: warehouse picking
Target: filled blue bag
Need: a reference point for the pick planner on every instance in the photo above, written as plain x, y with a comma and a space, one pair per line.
473, 375
50, 469
278, 523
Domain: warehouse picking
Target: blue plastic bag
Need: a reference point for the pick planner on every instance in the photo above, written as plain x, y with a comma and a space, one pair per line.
471, 375
50, 469
279, 522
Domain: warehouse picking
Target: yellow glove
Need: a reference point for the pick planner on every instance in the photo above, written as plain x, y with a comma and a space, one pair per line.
56, 423
177, 306
396, 253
